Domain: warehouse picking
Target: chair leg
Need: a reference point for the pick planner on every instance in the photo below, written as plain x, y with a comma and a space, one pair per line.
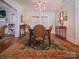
0, 37
43, 41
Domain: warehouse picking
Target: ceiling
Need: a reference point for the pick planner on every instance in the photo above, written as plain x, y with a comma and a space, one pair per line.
52, 5
3, 5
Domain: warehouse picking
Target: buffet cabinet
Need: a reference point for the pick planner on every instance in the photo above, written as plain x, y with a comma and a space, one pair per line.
60, 31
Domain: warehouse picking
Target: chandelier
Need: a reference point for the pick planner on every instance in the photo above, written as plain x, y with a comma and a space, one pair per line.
39, 5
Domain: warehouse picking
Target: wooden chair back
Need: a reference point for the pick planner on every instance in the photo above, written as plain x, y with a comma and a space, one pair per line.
39, 31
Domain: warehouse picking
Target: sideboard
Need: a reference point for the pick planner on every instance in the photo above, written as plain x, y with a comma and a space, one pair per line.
60, 31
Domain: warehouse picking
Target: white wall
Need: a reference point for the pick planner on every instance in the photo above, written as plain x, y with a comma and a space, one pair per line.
77, 20
46, 22
9, 12
69, 6
18, 9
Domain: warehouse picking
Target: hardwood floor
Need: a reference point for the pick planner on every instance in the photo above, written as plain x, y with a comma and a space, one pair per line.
6, 42
11, 44
76, 47
9, 41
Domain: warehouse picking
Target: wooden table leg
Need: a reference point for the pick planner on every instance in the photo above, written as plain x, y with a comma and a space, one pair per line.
49, 38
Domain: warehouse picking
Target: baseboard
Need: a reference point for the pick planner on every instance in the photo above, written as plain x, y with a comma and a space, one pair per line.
73, 44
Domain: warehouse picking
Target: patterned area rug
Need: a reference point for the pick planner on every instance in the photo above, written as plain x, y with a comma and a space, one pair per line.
58, 50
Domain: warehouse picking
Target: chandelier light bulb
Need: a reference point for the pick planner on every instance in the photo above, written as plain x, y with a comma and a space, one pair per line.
39, 4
